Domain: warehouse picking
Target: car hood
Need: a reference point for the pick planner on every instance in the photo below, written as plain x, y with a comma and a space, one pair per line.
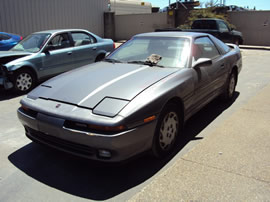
89, 85
8, 56
13, 53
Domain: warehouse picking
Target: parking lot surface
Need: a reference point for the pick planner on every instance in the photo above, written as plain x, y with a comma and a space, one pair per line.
30, 172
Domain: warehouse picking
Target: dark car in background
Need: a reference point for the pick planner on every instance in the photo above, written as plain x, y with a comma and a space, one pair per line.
216, 27
45, 54
137, 99
7, 40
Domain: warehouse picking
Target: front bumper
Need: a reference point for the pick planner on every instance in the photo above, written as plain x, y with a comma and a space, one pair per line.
4, 81
51, 131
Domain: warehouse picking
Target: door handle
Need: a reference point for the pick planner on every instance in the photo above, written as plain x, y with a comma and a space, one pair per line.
69, 53
222, 66
94, 48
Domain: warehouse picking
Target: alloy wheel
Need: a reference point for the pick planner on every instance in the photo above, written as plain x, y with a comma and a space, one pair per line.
24, 81
168, 130
232, 85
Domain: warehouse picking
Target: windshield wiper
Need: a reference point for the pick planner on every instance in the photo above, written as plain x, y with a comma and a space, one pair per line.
111, 60
151, 64
136, 62
144, 63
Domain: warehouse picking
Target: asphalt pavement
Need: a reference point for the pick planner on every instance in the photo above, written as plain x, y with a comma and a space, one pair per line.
230, 164
225, 155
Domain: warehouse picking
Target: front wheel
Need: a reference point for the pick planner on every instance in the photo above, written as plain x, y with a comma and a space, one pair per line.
166, 132
24, 81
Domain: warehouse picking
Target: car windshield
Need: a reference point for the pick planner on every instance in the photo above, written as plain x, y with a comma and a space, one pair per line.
32, 43
204, 24
166, 51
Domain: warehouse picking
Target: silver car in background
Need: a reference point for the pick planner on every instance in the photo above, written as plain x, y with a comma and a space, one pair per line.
137, 99
45, 54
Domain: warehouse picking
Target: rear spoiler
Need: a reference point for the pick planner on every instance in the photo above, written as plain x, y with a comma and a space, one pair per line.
168, 30
231, 45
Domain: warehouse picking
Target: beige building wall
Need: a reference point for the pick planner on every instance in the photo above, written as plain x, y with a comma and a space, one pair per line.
255, 26
26, 16
127, 26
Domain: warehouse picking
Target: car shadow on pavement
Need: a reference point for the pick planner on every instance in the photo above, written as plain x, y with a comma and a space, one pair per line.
8, 94
99, 181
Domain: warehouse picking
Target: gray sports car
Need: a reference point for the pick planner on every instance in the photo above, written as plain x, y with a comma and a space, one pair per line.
45, 54
137, 99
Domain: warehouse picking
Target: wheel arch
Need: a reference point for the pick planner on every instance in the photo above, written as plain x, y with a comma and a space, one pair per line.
29, 68
178, 102
100, 55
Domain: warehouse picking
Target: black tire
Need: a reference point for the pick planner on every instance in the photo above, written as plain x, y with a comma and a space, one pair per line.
24, 81
167, 131
100, 57
230, 87
236, 41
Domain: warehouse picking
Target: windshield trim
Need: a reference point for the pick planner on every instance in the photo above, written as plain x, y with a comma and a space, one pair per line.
188, 38
48, 36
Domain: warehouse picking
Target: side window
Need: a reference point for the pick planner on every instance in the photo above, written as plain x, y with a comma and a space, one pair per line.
60, 41
81, 39
204, 48
221, 46
223, 27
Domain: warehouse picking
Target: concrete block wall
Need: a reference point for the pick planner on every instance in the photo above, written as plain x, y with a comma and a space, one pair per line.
127, 26
255, 26
26, 16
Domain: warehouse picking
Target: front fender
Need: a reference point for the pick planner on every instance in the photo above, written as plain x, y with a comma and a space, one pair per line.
17, 66
152, 100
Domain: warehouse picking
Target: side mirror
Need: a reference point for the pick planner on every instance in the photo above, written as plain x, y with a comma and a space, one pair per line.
48, 48
202, 62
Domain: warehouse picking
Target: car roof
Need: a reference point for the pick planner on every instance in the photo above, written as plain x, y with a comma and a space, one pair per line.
172, 34
59, 30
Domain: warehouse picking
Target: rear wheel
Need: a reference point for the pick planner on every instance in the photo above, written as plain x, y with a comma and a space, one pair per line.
100, 57
236, 41
24, 81
166, 132
230, 87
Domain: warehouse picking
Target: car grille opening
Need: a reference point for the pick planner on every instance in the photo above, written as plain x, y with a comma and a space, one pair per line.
56, 142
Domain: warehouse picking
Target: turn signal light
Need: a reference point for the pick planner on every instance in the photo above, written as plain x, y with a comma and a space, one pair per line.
151, 118
25, 108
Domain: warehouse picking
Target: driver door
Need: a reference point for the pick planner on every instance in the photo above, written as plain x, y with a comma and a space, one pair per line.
208, 78
59, 57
